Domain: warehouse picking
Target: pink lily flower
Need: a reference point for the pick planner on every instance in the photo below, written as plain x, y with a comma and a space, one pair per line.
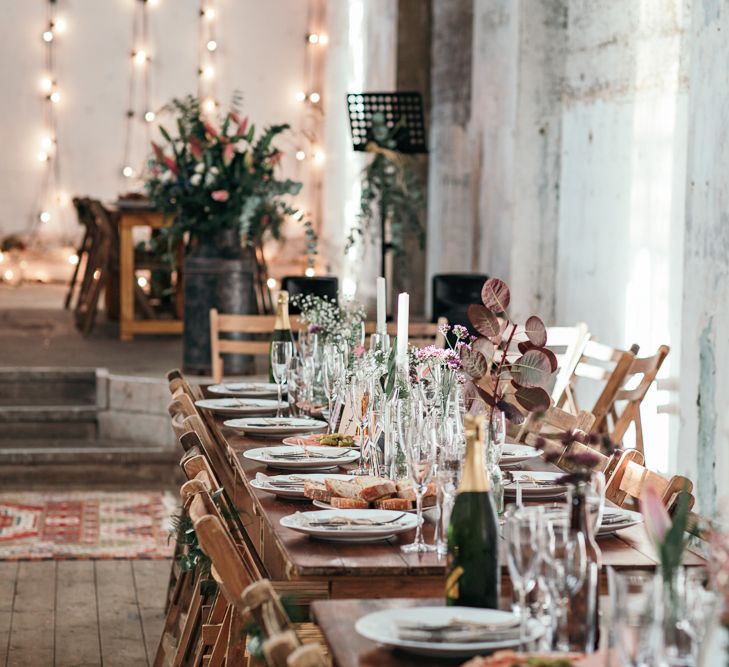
657, 520
220, 195
228, 154
242, 126
196, 148
209, 129
158, 152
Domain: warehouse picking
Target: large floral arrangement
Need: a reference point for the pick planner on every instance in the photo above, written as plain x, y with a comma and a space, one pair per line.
215, 174
335, 323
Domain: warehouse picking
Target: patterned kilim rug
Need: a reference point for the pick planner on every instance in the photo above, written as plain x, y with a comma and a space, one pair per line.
86, 525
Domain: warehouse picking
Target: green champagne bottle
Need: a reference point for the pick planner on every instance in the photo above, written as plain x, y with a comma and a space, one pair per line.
281, 327
473, 575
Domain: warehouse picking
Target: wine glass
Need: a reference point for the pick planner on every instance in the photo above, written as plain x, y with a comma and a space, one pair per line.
281, 353
523, 534
446, 477
420, 457
295, 385
565, 561
362, 394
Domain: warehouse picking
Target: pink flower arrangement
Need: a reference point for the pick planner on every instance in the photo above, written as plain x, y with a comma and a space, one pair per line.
220, 195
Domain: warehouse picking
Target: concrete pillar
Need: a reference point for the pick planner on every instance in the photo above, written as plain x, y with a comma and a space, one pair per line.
450, 193
705, 313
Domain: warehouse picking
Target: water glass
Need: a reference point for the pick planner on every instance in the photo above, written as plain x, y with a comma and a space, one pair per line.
636, 614
332, 374
281, 353
565, 567
523, 536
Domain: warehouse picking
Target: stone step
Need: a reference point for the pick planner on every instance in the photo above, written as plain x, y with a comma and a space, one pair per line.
47, 422
47, 386
88, 453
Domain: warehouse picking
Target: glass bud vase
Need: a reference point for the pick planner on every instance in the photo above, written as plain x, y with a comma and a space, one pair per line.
495, 436
583, 612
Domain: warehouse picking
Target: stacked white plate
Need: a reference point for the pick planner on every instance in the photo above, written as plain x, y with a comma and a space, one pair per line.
616, 518
512, 454
308, 459
290, 486
350, 525
245, 389
238, 407
535, 485
275, 427
500, 631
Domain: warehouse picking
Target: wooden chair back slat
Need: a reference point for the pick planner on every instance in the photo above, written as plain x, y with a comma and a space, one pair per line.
568, 344
552, 423
648, 367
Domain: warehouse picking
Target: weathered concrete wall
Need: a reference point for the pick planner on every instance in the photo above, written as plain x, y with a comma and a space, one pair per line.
705, 313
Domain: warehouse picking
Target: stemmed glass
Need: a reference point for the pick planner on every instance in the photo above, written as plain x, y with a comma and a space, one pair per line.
446, 477
420, 457
565, 561
635, 601
295, 384
523, 533
429, 385
281, 352
332, 372
362, 394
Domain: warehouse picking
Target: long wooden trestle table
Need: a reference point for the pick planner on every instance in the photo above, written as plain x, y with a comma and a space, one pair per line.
369, 570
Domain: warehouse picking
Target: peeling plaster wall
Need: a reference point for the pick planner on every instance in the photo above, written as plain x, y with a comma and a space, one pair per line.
705, 313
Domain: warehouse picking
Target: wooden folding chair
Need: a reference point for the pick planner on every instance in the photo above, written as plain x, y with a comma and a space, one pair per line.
176, 381
630, 479
646, 369
81, 204
249, 325
568, 345
420, 334
606, 366
552, 423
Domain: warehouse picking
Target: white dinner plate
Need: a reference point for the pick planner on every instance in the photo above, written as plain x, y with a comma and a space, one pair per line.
512, 453
287, 486
275, 426
312, 440
383, 627
245, 389
236, 407
616, 518
427, 511
536, 485
323, 458
396, 522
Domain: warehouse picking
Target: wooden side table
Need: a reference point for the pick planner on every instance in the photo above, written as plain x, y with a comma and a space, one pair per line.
128, 326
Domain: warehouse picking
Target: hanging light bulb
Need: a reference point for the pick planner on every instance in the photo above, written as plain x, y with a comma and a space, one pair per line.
300, 155
127, 171
46, 84
47, 36
271, 283
319, 156
207, 72
310, 273
149, 116
323, 40
314, 98
209, 13
209, 104
73, 259
140, 57
55, 97
44, 216
59, 25
300, 96
313, 38
211, 45
42, 156
47, 142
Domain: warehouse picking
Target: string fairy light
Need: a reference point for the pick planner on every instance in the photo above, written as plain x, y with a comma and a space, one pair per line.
139, 107
49, 202
207, 53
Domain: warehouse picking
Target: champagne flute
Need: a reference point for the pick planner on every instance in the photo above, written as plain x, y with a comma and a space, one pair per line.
565, 560
281, 353
420, 457
362, 394
332, 371
523, 531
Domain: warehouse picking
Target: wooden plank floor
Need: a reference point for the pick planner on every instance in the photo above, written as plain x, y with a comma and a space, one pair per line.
81, 613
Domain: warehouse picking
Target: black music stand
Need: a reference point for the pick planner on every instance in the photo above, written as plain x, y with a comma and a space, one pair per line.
403, 115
